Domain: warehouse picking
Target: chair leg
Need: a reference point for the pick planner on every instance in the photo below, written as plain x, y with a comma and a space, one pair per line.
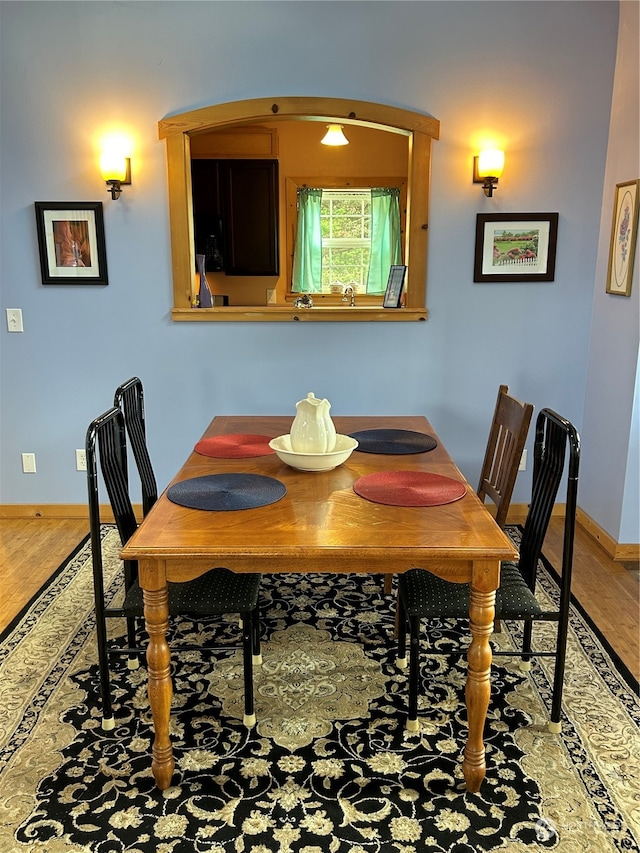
133, 661
525, 661
249, 719
388, 583
555, 723
414, 672
255, 626
108, 720
401, 634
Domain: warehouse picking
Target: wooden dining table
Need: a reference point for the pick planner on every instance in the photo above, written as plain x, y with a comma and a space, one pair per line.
321, 525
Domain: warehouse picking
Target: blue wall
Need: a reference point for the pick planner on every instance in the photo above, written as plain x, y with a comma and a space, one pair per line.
540, 75
610, 473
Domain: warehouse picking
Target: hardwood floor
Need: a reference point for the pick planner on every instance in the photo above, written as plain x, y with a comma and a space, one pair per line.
609, 591
31, 549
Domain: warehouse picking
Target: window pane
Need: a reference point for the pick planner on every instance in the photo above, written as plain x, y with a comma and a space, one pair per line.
344, 266
349, 227
346, 228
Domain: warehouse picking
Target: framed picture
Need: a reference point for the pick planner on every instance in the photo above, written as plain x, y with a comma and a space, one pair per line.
395, 283
624, 233
71, 242
515, 247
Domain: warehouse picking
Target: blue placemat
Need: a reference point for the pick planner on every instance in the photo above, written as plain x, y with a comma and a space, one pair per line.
227, 492
393, 441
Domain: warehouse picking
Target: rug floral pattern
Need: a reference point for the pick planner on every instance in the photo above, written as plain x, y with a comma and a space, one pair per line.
329, 767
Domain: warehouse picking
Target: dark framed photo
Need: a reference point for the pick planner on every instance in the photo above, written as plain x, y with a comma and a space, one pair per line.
515, 247
71, 242
395, 283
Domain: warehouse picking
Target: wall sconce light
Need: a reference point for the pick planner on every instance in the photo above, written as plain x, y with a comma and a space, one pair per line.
334, 135
116, 171
487, 168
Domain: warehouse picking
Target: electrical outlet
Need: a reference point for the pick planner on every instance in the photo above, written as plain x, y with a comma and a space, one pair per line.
81, 460
28, 463
523, 461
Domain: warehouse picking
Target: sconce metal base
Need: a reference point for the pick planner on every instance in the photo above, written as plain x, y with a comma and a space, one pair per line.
115, 187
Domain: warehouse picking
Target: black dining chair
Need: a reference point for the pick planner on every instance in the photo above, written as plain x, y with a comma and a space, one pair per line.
423, 595
219, 591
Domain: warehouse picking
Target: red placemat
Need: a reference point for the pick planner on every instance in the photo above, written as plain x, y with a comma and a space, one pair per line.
409, 488
236, 445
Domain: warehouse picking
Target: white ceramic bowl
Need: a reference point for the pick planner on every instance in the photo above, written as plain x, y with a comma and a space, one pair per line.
345, 445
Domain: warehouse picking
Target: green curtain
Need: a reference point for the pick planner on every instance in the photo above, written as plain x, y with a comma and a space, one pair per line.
385, 237
307, 256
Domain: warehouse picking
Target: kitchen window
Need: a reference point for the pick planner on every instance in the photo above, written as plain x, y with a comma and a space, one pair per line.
346, 236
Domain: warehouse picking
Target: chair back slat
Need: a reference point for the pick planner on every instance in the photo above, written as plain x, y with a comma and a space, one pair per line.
106, 448
507, 438
129, 397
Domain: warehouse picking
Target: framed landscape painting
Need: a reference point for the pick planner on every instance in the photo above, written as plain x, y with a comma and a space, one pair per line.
624, 233
71, 242
514, 247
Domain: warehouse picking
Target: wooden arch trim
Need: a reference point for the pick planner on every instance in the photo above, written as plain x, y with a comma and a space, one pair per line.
305, 108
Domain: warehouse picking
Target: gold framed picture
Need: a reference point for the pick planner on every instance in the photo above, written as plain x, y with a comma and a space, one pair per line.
624, 233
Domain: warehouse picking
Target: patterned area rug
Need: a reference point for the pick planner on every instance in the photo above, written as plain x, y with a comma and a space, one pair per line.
329, 767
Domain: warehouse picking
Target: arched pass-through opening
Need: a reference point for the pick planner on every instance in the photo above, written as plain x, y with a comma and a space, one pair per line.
420, 130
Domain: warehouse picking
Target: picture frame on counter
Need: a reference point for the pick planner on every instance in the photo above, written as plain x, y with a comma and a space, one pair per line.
395, 286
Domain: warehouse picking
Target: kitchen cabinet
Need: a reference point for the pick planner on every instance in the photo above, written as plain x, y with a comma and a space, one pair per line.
235, 214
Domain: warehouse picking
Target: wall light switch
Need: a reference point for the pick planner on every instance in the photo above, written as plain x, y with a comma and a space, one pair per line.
14, 320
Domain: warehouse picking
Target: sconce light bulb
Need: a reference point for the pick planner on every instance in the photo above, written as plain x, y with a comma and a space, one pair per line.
490, 163
113, 166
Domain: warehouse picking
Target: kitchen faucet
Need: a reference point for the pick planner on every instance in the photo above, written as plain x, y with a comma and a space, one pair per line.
349, 291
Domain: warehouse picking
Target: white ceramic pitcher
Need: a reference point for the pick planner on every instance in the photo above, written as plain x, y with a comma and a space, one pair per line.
312, 430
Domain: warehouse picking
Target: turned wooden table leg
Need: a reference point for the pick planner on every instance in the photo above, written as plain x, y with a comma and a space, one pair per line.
156, 614
478, 688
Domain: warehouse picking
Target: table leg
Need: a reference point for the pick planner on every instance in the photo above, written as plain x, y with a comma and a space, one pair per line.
478, 688
156, 614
